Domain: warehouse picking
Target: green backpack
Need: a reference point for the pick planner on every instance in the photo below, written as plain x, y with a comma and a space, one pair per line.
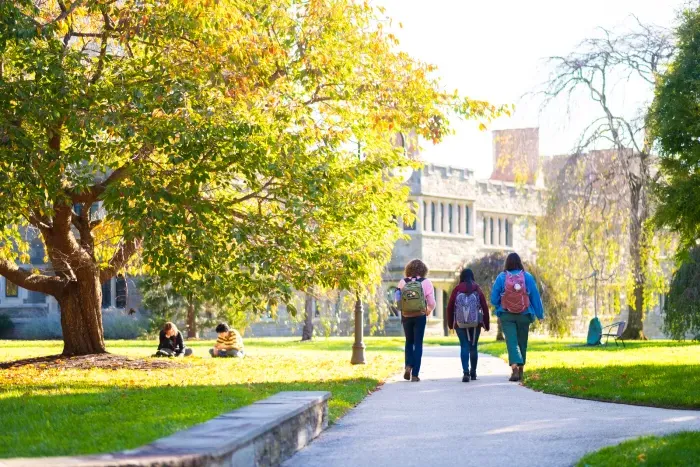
413, 301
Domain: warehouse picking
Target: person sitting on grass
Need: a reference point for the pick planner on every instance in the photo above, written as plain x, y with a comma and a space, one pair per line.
171, 343
228, 344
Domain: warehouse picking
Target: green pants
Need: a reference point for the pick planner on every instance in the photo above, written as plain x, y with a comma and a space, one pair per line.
515, 329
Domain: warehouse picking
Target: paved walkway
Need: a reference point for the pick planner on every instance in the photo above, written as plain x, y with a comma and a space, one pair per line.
426, 424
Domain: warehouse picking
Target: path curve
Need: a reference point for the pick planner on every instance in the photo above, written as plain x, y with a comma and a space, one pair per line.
510, 425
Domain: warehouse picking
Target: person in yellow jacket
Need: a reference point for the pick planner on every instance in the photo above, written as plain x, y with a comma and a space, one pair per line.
229, 343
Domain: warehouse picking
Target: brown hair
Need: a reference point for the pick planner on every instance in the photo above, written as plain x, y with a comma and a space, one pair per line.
416, 268
168, 326
513, 262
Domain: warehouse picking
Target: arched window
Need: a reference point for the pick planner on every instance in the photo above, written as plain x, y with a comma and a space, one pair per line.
107, 294
485, 229
432, 216
121, 291
441, 224
509, 234
491, 230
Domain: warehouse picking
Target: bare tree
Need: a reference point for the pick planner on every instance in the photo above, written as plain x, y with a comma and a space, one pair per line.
596, 67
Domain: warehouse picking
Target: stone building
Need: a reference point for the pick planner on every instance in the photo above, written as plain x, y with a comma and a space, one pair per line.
461, 218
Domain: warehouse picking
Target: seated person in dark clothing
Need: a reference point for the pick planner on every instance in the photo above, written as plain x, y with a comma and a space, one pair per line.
171, 343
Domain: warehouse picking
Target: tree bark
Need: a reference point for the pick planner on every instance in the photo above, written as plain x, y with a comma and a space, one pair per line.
308, 331
81, 314
634, 328
191, 319
499, 331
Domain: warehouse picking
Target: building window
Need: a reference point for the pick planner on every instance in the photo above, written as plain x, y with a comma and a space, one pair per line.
467, 217
485, 229
425, 215
317, 308
508, 239
442, 217
500, 232
11, 289
107, 294
459, 219
432, 217
411, 226
36, 252
121, 291
491, 230
449, 216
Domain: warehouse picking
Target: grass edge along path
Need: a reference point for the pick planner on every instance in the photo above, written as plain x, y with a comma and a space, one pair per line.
645, 373
675, 450
54, 412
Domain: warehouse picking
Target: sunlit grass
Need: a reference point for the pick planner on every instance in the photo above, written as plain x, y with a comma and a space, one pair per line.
657, 373
61, 412
679, 450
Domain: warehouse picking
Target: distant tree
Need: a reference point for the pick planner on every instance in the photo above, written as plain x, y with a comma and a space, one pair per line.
675, 123
221, 139
682, 310
592, 72
164, 304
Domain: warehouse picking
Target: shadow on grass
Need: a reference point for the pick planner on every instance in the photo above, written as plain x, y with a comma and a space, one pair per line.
101, 418
671, 386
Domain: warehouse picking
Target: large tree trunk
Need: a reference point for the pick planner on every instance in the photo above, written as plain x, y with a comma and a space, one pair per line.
308, 331
634, 328
191, 319
81, 314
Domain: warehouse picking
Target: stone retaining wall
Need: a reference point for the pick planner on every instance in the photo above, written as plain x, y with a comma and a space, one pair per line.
262, 434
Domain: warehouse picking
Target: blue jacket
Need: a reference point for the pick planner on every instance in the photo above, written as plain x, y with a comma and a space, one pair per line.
499, 288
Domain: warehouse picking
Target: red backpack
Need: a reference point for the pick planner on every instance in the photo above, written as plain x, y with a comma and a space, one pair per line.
515, 298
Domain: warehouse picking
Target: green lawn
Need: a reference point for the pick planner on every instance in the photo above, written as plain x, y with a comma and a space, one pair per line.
655, 373
45, 411
678, 450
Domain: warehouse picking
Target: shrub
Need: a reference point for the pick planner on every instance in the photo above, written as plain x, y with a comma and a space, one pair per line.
48, 327
6, 326
682, 310
120, 325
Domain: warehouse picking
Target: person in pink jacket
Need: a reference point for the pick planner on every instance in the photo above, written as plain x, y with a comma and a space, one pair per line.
414, 323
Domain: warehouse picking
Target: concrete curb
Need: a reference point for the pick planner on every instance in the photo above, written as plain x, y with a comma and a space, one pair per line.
262, 434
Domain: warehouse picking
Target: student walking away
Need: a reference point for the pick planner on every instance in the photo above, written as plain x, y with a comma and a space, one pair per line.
467, 314
171, 343
416, 299
517, 302
229, 343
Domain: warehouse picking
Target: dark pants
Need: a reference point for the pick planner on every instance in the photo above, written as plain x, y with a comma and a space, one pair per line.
516, 327
468, 342
226, 353
414, 329
171, 353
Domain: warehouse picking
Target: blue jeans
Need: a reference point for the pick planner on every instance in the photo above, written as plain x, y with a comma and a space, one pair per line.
468, 342
414, 329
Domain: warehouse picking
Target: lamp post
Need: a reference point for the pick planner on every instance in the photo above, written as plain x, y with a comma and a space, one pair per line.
358, 347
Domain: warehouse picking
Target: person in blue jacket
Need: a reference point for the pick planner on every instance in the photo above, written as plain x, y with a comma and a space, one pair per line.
517, 308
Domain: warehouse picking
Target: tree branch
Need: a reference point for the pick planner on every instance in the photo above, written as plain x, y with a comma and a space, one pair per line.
121, 257
50, 285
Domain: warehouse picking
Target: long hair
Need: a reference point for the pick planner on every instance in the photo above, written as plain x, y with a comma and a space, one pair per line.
168, 326
513, 262
416, 268
467, 275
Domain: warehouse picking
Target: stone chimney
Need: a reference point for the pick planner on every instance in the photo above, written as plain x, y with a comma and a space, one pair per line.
516, 155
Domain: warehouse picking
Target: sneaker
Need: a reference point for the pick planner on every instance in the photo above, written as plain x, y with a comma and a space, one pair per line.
407, 373
465, 378
415, 379
473, 376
